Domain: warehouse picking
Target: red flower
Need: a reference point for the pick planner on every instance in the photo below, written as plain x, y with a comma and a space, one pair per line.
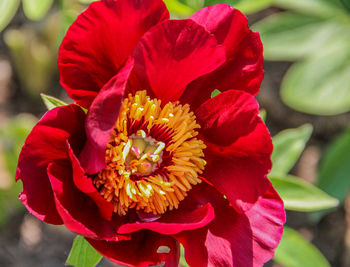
156, 161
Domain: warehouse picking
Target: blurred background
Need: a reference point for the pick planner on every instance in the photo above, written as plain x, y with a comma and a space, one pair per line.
304, 99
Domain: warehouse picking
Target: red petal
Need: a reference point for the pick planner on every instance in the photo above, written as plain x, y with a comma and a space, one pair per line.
228, 25
172, 54
78, 212
85, 185
46, 143
233, 239
243, 69
101, 119
239, 147
141, 250
174, 222
228, 116
99, 42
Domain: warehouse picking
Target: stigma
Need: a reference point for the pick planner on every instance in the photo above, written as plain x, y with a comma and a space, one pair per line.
153, 158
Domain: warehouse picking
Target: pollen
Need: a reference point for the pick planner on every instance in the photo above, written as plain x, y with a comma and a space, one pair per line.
153, 157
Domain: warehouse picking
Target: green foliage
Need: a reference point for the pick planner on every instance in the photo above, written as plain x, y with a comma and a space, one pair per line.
83, 254
184, 8
321, 84
291, 36
52, 102
8, 9
317, 32
295, 251
33, 9
33, 59
288, 145
323, 8
215, 93
335, 168
183, 261
262, 114
12, 136
246, 6
86, 1
299, 195
36, 9
178, 8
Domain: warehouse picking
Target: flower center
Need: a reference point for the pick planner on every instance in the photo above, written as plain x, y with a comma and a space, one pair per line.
153, 157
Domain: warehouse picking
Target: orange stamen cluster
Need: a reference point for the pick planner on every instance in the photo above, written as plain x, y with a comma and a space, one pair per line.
137, 176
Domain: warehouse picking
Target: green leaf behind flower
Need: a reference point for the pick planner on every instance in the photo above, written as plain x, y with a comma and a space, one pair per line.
324, 8
246, 6
299, 195
8, 9
288, 145
263, 114
334, 174
183, 261
87, 1
321, 84
295, 251
12, 136
36, 9
83, 254
290, 36
52, 102
215, 93
178, 8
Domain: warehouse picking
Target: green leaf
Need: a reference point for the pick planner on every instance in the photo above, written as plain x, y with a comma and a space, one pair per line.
87, 1
262, 114
295, 251
83, 254
183, 261
345, 4
12, 136
251, 6
178, 8
8, 9
321, 84
288, 145
246, 6
52, 102
215, 93
335, 168
36, 9
299, 195
291, 36
324, 8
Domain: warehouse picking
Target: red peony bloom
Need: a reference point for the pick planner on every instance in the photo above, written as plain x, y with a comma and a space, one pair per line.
157, 161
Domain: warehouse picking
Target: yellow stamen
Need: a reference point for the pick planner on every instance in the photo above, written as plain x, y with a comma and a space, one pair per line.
136, 176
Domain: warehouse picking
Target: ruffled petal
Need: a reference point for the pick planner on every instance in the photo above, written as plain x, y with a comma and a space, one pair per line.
85, 185
47, 143
141, 250
228, 25
174, 221
99, 42
194, 212
101, 119
232, 239
243, 69
78, 211
171, 55
239, 147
